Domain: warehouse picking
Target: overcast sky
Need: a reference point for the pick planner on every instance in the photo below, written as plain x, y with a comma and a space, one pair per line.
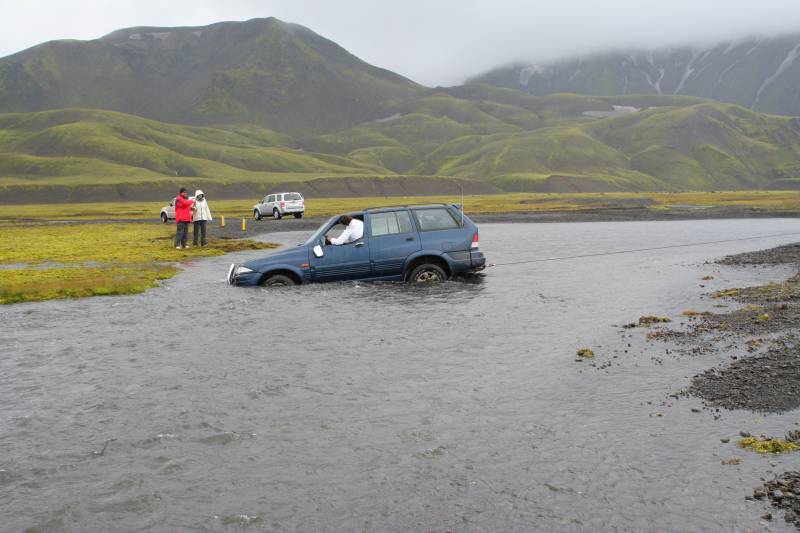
435, 42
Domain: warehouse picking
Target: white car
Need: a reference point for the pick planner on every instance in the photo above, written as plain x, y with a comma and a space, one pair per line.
168, 212
280, 204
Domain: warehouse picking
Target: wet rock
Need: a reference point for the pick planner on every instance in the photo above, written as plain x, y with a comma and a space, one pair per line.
765, 383
725, 440
773, 256
779, 496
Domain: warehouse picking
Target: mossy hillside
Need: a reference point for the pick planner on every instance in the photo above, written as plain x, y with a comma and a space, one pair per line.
85, 143
699, 147
718, 145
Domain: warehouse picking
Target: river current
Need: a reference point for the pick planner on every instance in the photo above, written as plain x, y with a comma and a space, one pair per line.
383, 407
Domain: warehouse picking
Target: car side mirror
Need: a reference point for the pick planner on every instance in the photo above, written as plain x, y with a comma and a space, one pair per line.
318, 251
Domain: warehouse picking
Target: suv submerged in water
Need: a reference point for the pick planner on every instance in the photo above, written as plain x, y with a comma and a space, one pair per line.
408, 243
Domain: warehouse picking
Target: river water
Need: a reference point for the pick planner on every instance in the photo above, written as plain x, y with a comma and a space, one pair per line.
383, 407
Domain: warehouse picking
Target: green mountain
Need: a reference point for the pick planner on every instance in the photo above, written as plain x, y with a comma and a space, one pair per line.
264, 72
85, 146
502, 139
240, 107
570, 142
762, 74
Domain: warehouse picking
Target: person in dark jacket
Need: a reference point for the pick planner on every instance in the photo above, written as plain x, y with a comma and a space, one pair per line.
183, 217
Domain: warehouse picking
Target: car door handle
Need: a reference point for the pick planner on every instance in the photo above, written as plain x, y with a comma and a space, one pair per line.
359, 244
409, 238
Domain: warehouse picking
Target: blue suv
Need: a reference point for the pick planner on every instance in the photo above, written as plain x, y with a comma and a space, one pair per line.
418, 243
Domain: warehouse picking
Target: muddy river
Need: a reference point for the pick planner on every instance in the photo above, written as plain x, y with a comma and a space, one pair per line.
382, 407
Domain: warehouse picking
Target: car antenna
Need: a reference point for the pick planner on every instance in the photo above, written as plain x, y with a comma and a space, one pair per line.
462, 203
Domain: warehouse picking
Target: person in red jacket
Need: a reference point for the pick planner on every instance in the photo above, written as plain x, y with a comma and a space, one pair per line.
183, 217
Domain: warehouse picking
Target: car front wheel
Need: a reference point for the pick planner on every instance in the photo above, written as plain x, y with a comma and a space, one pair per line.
276, 214
279, 280
256, 214
298, 215
164, 218
427, 273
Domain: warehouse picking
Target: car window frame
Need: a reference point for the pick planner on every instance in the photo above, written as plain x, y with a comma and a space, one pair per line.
449, 212
411, 231
270, 196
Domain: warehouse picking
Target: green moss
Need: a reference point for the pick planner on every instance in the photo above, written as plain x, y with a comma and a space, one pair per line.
649, 320
727, 293
586, 353
72, 261
768, 445
691, 313
26, 285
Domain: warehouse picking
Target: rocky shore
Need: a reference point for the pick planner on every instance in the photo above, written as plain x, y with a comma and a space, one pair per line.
766, 322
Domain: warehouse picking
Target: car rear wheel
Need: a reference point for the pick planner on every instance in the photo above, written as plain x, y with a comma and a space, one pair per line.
427, 273
164, 218
279, 280
298, 215
256, 214
276, 214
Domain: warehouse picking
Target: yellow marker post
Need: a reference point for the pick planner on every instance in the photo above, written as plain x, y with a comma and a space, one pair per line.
244, 224
222, 221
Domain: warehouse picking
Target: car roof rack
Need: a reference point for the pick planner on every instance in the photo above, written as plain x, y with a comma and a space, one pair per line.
437, 204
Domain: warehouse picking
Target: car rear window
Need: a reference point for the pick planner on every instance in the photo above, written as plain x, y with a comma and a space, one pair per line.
435, 219
390, 223
292, 196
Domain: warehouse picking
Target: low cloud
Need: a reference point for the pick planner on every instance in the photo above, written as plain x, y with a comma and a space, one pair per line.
435, 42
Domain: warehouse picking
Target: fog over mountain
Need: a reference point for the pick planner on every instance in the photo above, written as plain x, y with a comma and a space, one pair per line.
433, 42
759, 73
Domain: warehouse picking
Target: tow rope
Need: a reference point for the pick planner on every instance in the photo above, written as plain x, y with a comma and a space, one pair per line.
599, 254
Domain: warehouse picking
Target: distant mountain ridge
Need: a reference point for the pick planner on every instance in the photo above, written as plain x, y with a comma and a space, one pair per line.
262, 71
762, 74
243, 106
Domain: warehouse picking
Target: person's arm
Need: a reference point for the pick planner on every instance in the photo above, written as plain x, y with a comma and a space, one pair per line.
344, 238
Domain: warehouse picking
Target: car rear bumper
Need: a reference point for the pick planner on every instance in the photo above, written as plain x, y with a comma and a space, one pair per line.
467, 262
293, 209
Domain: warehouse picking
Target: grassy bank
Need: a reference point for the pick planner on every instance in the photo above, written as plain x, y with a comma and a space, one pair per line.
42, 262
774, 201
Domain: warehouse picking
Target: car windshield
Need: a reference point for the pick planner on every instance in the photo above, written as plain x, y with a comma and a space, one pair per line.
315, 238
291, 196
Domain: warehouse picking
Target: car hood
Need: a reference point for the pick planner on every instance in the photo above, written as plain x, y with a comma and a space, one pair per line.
293, 256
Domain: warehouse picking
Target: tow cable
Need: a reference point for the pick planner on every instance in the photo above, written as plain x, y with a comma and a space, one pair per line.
599, 254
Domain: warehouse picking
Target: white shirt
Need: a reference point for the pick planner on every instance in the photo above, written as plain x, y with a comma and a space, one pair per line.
353, 232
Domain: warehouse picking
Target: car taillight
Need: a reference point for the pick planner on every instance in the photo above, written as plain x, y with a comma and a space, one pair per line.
475, 240
283, 204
